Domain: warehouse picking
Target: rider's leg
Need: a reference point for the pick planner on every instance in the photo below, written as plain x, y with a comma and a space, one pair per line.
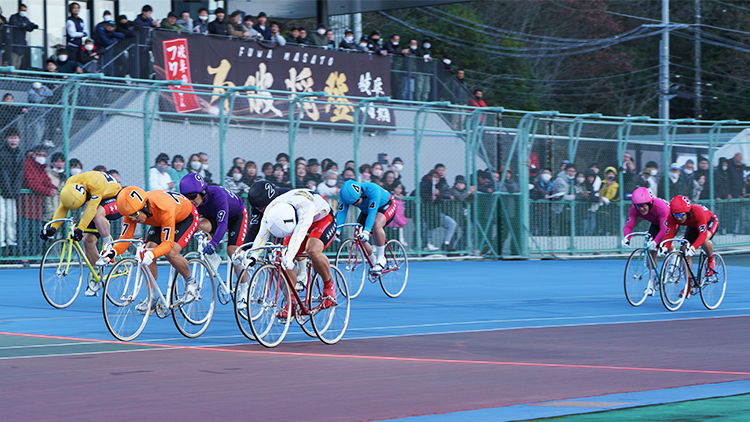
205, 227
378, 235
154, 269
319, 261
89, 247
89, 240
177, 261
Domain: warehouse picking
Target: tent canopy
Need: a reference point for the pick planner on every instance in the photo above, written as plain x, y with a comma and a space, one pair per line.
740, 143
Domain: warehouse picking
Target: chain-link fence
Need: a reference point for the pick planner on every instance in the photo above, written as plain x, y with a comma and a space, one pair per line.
467, 181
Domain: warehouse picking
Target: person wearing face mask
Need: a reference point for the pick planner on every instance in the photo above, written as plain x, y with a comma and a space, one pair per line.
89, 56
31, 208
348, 43
422, 92
542, 185
433, 193
56, 173
75, 166
21, 25
688, 172
234, 181
374, 44
677, 183
722, 180
392, 46
542, 189
610, 190
158, 175
376, 172
364, 44
65, 65
319, 37
106, 16
201, 25
649, 177
328, 186
10, 188
411, 64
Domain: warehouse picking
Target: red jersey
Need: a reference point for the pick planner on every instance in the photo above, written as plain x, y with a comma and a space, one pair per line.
699, 218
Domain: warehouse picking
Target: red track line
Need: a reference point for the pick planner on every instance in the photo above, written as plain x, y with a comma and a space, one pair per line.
389, 358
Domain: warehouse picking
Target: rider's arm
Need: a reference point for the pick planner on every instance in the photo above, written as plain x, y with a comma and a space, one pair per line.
90, 212
341, 214
261, 238
372, 212
305, 214
702, 218
222, 215
671, 228
167, 236
60, 212
128, 229
630, 224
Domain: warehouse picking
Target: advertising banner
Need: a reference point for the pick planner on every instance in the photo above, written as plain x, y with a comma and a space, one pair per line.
228, 63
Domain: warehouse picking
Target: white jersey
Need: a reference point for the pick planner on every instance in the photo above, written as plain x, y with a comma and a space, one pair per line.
310, 208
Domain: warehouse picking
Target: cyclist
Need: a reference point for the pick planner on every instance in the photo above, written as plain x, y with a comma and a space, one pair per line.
653, 210
173, 220
220, 210
701, 226
261, 194
99, 189
377, 209
305, 222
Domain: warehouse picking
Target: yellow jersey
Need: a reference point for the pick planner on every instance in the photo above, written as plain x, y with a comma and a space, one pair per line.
91, 186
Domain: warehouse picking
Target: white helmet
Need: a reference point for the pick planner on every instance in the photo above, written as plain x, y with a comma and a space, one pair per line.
281, 219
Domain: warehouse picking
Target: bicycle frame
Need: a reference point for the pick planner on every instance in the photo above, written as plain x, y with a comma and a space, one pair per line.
72, 243
685, 243
647, 237
361, 246
202, 242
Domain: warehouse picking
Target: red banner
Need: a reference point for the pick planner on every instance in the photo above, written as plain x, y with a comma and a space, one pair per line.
177, 61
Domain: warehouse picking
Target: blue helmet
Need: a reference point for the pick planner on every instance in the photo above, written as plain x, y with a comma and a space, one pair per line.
193, 184
350, 192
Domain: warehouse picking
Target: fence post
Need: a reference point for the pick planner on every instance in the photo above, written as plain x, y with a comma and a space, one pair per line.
419, 127
574, 133
294, 122
149, 113
671, 133
360, 117
623, 136
224, 118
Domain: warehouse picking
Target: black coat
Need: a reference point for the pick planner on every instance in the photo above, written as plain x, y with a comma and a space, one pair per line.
218, 27
11, 174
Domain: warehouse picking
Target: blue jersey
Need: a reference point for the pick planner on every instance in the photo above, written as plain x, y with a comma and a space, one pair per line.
222, 205
374, 198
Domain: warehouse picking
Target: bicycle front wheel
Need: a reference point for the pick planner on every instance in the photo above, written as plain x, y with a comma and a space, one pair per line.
194, 303
674, 281
637, 275
394, 276
61, 273
240, 306
126, 288
269, 297
330, 315
714, 286
350, 259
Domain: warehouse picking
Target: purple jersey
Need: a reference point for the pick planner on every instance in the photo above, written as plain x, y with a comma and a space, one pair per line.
658, 216
222, 205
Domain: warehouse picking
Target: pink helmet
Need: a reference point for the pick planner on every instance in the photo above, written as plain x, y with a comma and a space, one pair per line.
641, 196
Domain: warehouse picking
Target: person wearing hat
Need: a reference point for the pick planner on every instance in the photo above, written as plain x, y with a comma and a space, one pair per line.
106, 16
107, 36
31, 207
219, 25
319, 37
374, 44
262, 28
313, 170
89, 56
649, 176
364, 44
293, 36
348, 43
677, 183
610, 190
75, 31
145, 20
64, 65
170, 22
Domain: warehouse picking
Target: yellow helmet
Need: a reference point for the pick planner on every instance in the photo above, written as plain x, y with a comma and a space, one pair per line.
130, 200
72, 196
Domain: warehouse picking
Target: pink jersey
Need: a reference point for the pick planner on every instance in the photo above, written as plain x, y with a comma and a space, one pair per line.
658, 215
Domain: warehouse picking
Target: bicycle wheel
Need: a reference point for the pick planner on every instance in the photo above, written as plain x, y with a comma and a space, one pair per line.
126, 287
637, 275
674, 281
268, 297
350, 259
714, 287
194, 310
396, 273
330, 322
61, 273
304, 320
225, 291
240, 315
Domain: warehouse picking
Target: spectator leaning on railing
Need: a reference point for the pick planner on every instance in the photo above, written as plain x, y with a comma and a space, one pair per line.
218, 26
107, 36
170, 22
348, 43
185, 22
261, 27
201, 25
145, 20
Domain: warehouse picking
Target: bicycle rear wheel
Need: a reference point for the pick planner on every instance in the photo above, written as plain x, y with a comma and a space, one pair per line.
269, 298
195, 309
674, 281
350, 259
126, 287
396, 273
329, 320
61, 273
714, 287
240, 314
637, 275
225, 292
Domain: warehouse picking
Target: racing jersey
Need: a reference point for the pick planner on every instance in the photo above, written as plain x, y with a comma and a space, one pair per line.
699, 218
375, 197
167, 208
96, 186
221, 204
310, 208
657, 215
253, 226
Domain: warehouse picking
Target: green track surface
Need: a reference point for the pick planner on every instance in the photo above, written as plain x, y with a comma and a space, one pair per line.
724, 409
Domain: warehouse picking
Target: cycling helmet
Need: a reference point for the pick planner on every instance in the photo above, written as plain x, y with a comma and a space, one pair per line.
679, 204
350, 192
261, 194
193, 184
72, 196
130, 200
642, 196
281, 219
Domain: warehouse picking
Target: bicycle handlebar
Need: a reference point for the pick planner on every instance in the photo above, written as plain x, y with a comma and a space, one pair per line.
682, 240
647, 234
69, 220
349, 224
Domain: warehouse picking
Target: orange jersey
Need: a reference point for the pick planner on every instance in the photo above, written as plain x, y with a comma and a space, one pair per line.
167, 209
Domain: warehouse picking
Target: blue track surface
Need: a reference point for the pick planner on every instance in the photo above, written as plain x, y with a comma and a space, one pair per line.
441, 298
